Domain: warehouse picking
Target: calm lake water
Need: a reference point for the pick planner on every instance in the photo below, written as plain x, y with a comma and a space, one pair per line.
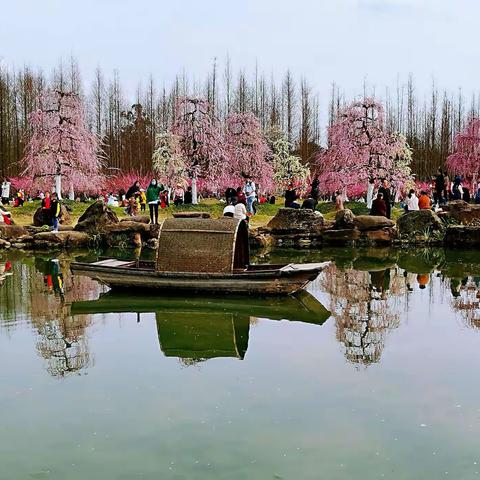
372, 375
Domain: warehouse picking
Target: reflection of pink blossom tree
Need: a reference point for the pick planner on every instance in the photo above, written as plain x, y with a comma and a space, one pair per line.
61, 146
466, 158
247, 151
364, 313
360, 148
200, 140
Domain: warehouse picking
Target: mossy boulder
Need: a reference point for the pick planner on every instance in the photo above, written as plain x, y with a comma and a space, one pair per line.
96, 218
296, 220
421, 226
41, 217
372, 222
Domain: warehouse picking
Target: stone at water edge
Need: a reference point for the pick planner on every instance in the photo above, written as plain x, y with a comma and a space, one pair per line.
412, 224
372, 222
293, 220
126, 233
461, 212
15, 233
40, 218
463, 236
191, 215
136, 218
341, 237
383, 235
127, 227
96, 217
344, 219
65, 239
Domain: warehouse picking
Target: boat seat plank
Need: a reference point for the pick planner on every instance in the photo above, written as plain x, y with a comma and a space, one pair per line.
303, 267
114, 263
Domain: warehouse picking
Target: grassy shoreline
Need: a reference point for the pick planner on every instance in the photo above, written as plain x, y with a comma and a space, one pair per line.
24, 215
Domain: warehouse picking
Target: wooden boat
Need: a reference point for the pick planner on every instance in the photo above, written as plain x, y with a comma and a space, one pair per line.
202, 255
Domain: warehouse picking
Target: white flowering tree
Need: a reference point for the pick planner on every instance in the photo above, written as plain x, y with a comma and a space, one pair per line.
286, 167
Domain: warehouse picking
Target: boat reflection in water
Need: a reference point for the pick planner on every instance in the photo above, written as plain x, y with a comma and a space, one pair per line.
198, 329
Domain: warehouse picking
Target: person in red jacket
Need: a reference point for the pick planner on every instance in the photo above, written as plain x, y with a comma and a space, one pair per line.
379, 207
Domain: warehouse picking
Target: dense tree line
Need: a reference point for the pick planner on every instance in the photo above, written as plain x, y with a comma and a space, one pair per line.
128, 125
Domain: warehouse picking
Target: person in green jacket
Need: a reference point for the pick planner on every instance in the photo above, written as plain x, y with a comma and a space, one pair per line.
153, 196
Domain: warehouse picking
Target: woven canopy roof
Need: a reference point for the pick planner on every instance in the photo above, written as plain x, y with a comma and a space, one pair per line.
202, 245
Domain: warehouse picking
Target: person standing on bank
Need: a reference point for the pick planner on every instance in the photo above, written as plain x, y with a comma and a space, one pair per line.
439, 187
386, 197
371, 186
153, 197
135, 188
55, 209
315, 188
250, 194
5, 192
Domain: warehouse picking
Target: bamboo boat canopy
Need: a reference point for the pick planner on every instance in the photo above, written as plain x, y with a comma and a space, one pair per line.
202, 245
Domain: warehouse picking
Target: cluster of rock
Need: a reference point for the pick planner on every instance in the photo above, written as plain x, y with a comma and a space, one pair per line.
304, 228
291, 227
349, 228
98, 226
460, 212
458, 224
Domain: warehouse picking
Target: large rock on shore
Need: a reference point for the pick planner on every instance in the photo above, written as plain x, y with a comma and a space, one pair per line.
137, 218
96, 218
126, 233
372, 222
291, 227
65, 239
462, 212
344, 219
296, 220
40, 218
463, 236
380, 236
421, 226
342, 236
191, 215
15, 234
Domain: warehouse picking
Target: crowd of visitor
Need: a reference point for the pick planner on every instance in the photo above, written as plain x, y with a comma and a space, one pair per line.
241, 202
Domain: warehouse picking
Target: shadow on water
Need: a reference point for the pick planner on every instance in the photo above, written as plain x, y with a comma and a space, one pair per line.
199, 328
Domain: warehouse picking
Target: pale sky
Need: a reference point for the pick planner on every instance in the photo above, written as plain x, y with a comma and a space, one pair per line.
345, 41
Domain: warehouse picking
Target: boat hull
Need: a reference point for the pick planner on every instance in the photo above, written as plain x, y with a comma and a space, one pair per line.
269, 282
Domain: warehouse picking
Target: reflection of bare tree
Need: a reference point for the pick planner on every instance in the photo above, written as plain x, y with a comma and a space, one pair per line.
42, 293
466, 300
62, 341
363, 305
63, 344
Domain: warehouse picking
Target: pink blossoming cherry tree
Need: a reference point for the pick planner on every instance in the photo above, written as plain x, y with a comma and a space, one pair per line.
61, 146
360, 149
466, 158
247, 152
200, 142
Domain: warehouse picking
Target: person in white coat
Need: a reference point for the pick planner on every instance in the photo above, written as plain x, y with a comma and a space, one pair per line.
411, 202
5, 192
371, 186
